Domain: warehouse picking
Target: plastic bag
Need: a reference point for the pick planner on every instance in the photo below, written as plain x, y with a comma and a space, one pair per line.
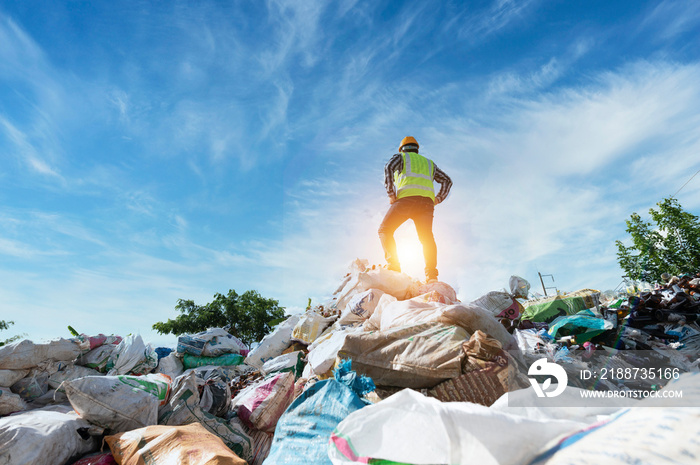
322, 357
70, 372
10, 377
119, 403
214, 391
391, 282
27, 354
470, 317
584, 325
302, 433
183, 408
374, 322
47, 436
291, 361
92, 342
350, 284
262, 442
532, 341
489, 372
519, 287
437, 292
397, 284
263, 405
33, 386
97, 358
409, 427
132, 356
192, 361
500, 304
310, 327
274, 343
417, 356
190, 444
210, 343
10, 402
547, 309
662, 436
170, 365
220, 342
360, 307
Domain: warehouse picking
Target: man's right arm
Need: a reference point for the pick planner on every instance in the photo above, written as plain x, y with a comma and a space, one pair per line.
395, 164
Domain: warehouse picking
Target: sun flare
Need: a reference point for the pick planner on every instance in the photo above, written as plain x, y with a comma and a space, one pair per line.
410, 253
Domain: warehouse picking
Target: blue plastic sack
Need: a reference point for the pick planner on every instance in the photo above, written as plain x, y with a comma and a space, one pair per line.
585, 325
163, 352
302, 433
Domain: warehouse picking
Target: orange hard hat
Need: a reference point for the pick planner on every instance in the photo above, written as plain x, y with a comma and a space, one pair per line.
408, 140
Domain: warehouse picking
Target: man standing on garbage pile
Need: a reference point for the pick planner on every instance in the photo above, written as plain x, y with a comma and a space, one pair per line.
409, 179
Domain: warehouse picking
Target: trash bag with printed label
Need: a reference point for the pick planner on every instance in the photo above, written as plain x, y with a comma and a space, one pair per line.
119, 403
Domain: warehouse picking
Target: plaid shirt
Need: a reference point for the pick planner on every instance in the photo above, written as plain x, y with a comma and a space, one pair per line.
396, 164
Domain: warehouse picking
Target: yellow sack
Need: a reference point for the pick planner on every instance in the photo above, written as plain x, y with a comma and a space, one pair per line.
185, 445
310, 327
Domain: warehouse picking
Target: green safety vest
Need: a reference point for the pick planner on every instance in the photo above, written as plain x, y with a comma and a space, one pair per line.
416, 177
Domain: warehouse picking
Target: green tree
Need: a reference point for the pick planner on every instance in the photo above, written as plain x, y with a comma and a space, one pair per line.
248, 316
3, 326
671, 246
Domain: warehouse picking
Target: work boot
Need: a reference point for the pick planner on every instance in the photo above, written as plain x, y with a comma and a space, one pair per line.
393, 267
431, 276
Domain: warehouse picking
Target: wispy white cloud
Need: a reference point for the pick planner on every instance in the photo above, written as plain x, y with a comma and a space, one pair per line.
26, 152
297, 33
672, 18
561, 162
345, 6
20, 56
276, 116
17, 249
120, 100
479, 25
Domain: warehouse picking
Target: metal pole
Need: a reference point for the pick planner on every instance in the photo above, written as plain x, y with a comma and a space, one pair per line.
542, 281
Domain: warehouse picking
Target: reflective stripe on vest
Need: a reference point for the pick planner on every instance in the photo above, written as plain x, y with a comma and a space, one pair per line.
416, 177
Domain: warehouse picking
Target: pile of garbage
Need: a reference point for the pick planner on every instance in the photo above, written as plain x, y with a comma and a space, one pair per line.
387, 370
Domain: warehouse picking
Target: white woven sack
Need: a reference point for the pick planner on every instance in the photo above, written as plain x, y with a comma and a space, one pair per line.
119, 403
322, 357
170, 365
274, 343
47, 436
374, 322
360, 307
310, 326
27, 354
469, 317
263, 405
10, 377
70, 372
183, 408
495, 302
10, 402
391, 282
409, 427
220, 342
131, 355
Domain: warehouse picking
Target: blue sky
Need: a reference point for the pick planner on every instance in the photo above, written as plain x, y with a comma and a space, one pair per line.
151, 151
